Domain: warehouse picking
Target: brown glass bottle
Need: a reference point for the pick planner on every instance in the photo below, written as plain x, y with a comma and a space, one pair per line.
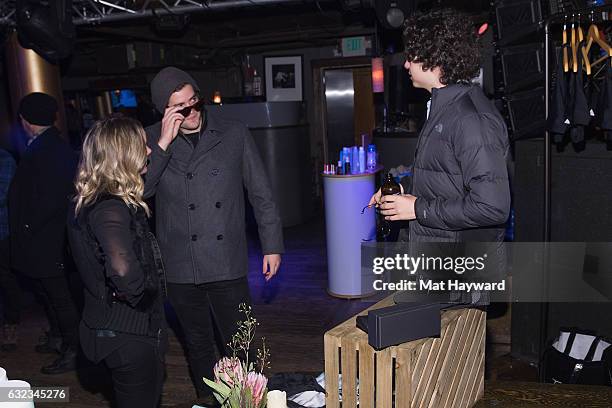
390, 186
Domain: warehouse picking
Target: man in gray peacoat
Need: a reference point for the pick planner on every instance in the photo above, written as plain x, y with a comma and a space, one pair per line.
199, 167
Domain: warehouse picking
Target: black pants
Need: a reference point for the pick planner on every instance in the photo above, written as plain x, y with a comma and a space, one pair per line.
61, 310
10, 291
137, 370
198, 307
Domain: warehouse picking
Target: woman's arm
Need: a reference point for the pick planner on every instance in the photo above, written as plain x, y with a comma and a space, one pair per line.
110, 222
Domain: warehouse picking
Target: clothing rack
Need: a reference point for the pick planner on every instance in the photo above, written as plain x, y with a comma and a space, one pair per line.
546, 23
554, 19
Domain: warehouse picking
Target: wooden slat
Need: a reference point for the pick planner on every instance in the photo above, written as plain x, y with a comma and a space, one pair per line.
432, 373
403, 377
476, 347
478, 370
452, 370
478, 390
366, 375
384, 384
444, 376
421, 361
349, 371
332, 368
423, 375
470, 329
474, 388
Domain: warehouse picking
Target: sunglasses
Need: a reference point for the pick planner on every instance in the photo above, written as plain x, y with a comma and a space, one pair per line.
186, 111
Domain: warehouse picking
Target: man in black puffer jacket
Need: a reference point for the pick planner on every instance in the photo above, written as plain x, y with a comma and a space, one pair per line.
459, 190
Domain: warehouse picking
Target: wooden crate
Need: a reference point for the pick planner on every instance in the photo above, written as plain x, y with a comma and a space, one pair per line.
445, 372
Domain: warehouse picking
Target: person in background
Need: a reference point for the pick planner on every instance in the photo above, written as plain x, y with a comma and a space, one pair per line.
38, 203
10, 291
459, 190
123, 321
200, 166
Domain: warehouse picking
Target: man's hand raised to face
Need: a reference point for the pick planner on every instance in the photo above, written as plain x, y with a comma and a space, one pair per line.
170, 125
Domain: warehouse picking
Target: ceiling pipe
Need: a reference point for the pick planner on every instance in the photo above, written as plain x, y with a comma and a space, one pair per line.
207, 6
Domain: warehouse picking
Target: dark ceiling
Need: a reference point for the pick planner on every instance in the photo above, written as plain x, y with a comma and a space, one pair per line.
213, 39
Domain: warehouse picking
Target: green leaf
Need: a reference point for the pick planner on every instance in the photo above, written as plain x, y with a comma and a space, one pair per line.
220, 388
234, 398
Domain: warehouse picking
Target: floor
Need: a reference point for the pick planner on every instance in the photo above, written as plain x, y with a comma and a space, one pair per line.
294, 311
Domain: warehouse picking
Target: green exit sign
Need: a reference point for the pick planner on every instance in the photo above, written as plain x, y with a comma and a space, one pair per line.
353, 46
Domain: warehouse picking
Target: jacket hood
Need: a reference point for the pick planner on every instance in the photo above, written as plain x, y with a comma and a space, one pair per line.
164, 84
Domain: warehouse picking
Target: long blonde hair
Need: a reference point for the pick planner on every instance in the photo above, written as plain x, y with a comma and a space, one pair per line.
114, 155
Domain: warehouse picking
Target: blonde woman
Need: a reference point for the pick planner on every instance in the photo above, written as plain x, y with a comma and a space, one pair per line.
123, 320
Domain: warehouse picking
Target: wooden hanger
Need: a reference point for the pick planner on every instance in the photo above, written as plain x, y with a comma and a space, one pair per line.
583, 52
574, 45
594, 36
565, 56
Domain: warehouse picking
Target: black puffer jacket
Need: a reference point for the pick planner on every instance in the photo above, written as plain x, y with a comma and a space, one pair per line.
460, 175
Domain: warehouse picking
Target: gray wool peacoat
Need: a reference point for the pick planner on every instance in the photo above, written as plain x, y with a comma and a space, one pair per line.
199, 202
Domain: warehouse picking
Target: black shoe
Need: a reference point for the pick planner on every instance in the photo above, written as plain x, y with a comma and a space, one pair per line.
64, 363
48, 344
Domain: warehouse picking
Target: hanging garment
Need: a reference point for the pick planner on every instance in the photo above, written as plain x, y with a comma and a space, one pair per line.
558, 121
580, 116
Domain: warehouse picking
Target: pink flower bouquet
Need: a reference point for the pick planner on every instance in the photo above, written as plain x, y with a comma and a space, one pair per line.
240, 383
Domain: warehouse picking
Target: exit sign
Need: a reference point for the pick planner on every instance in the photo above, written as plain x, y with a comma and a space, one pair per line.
354, 46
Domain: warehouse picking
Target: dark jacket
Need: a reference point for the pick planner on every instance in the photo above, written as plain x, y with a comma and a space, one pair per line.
460, 175
199, 204
38, 204
122, 278
7, 172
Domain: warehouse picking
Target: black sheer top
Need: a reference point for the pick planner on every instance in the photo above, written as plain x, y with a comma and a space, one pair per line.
123, 279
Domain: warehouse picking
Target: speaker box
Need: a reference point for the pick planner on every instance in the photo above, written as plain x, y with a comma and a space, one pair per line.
526, 113
581, 198
392, 13
581, 201
516, 19
46, 28
522, 66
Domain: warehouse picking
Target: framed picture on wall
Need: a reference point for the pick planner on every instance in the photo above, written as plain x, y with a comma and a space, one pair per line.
283, 78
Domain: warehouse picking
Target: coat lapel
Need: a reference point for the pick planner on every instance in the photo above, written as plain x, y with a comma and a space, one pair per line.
211, 137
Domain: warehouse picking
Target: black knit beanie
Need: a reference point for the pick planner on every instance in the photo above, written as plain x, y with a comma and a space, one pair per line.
164, 84
38, 109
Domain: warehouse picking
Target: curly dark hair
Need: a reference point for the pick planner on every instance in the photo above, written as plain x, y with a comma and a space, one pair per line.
446, 39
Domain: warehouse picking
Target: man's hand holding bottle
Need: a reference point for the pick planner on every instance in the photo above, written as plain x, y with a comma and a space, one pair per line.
394, 207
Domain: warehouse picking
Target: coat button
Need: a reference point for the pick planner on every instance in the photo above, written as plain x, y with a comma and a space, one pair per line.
194, 237
219, 237
27, 226
215, 172
218, 204
189, 176
192, 206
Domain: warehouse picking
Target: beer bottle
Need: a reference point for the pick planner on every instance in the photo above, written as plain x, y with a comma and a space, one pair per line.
390, 186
